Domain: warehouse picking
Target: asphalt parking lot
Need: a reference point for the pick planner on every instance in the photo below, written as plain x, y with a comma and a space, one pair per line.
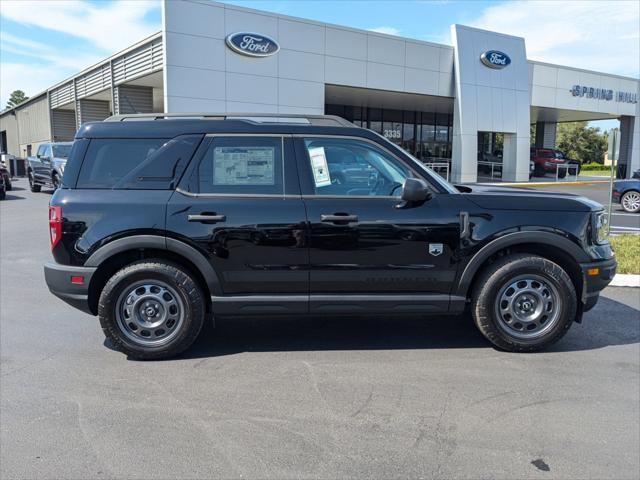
300, 398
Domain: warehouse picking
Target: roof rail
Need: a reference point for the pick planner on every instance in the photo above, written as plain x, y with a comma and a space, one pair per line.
325, 120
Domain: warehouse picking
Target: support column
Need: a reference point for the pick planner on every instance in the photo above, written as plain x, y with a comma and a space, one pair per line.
515, 158
91, 110
464, 149
629, 160
546, 134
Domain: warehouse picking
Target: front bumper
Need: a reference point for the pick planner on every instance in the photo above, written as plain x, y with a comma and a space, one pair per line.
594, 283
58, 278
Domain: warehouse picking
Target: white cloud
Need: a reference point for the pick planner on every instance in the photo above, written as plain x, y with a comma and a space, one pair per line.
102, 29
595, 35
108, 25
387, 30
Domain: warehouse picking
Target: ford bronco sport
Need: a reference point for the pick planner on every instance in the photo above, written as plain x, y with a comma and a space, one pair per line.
165, 221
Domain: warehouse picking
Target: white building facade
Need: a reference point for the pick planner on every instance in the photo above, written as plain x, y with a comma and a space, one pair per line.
442, 103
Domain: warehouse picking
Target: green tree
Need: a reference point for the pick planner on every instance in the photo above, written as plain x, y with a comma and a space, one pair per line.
16, 98
580, 142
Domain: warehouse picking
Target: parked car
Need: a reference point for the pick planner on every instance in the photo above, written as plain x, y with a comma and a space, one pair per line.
47, 167
6, 177
547, 160
163, 222
627, 193
3, 188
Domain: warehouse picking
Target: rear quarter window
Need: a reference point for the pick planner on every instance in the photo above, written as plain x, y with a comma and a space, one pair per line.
136, 164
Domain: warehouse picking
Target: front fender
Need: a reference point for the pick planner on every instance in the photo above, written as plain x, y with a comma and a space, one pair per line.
512, 239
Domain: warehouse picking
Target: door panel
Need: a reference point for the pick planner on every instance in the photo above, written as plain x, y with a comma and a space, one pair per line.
386, 250
363, 249
240, 205
257, 248
42, 165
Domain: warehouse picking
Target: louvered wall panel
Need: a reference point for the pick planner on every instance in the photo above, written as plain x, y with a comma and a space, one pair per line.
133, 99
91, 111
63, 123
61, 95
143, 60
93, 82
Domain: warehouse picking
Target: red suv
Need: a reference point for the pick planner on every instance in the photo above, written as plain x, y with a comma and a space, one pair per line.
546, 160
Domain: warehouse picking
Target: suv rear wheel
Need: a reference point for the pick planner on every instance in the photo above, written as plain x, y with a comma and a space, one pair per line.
524, 303
33, 186
151, 310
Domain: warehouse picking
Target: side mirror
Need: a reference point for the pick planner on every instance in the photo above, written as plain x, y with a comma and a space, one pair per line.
414, 192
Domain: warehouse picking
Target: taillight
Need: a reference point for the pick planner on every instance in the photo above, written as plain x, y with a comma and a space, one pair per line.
55, 225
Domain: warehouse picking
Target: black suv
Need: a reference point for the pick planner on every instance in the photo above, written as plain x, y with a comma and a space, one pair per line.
164, 221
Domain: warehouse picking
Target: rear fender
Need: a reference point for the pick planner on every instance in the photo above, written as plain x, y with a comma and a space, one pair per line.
104, 253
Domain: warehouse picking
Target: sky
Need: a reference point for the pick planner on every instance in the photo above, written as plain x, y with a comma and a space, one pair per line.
45, 41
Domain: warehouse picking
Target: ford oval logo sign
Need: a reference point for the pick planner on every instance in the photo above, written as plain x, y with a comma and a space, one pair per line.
495, 59
252, 44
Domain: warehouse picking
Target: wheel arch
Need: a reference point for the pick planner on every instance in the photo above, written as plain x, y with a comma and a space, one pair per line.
114, 255
548, 245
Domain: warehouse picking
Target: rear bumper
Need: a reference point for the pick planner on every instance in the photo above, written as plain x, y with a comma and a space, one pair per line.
594, 284
58, 278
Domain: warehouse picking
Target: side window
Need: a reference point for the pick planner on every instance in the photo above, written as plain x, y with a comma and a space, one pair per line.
242, 165
135, 163
353, 167
40, 151
47, 152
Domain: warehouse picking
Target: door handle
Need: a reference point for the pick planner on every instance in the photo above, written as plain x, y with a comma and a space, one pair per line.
338, 217
207, 218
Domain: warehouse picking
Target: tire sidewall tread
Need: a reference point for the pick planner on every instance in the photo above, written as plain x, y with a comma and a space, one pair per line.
170, 273
496, 275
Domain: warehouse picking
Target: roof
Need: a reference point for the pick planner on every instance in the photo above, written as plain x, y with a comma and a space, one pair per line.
169, 126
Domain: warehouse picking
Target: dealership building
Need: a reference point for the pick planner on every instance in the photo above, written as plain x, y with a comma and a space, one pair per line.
444, 104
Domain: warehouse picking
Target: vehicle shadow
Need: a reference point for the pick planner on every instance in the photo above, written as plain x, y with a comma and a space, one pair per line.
610, 323
11, 196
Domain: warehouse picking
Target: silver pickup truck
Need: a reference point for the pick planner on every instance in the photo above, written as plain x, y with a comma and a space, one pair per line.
47, 167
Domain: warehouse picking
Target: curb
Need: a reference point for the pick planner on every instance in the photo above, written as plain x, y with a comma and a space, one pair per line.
550, 184
625, 280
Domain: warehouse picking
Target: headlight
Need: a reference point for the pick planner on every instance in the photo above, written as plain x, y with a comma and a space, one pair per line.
599, 225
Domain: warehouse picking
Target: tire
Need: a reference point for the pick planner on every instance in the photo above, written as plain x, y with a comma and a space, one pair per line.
7, 184
539, 284
55, 181
33, 186
127, 303
3, 194
562, 173
630, 201
539, 171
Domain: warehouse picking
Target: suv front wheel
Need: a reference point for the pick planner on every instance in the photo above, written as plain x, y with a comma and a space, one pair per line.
33, 186
151, 310
524, 303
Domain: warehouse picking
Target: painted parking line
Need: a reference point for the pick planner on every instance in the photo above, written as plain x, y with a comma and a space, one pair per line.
631, 229
627, 215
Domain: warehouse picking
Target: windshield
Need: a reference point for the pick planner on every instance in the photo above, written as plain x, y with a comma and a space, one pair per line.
61, 151
559, 154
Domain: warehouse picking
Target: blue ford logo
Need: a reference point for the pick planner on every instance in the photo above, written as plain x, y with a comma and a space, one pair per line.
252, 44
495, 59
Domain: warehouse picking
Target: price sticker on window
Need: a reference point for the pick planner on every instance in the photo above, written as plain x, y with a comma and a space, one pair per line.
320, 168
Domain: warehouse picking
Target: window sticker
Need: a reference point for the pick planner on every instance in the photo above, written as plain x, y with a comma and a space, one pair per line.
244, 166
319, 166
